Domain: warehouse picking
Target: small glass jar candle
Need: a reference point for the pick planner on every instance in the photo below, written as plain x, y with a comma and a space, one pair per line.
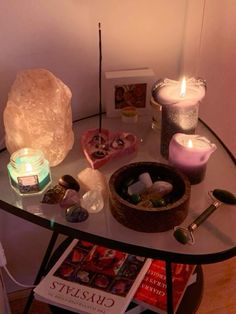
29, 171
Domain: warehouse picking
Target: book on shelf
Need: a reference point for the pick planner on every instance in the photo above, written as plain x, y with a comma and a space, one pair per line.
88, 278
152, 290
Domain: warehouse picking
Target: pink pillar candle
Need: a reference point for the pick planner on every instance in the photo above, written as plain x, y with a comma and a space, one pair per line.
189, 154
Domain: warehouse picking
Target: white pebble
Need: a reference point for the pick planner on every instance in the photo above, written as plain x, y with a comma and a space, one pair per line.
146, 179
136, 188
162, 187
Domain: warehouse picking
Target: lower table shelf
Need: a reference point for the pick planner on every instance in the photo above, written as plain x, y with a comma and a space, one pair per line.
189, 304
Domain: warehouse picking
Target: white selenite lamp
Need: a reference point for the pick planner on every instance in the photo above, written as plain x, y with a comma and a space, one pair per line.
28, 171
180, 101
190, 154
38, 114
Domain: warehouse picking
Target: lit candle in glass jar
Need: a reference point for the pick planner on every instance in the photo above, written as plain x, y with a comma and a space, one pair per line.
189, 154
28, 171
180, 102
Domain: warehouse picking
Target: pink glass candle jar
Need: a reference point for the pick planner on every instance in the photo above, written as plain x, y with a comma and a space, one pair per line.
180, 102
189, 154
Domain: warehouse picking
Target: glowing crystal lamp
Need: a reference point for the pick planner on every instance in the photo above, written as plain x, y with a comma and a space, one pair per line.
29, 171
38, 115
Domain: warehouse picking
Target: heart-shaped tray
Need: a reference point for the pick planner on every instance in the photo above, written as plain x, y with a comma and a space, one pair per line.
102, 146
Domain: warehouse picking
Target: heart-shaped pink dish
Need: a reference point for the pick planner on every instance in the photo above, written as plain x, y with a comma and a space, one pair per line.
100, 147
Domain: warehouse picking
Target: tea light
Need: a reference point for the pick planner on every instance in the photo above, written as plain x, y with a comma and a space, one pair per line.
189, 154
180, 102
28, 171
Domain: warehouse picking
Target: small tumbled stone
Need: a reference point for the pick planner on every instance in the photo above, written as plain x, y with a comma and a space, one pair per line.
117, 143
158, 202
76, 213
98, 139
161, 187
54, 195
92, 201
135, 198
146, 204
70, 198
136, 188
146, 179
151, 196
99, 154
68, 182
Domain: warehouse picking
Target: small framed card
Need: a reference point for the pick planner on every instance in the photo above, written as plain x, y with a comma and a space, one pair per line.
129, 88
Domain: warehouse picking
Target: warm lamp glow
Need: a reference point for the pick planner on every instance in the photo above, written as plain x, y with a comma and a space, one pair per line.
38, 115
183, 87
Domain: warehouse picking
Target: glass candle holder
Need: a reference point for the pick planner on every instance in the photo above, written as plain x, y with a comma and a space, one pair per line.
190, 154
29, 171
179, 102
156, 114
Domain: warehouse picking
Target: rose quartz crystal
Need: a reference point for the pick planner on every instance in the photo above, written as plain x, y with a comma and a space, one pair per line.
38, 115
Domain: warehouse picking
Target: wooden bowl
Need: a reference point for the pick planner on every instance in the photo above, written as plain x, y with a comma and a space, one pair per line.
155, 219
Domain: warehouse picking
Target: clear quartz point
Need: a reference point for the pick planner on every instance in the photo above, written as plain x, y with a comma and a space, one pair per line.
92, 201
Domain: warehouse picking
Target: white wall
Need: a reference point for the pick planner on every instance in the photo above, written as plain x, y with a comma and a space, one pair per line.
210, 50
24, 244
62, 36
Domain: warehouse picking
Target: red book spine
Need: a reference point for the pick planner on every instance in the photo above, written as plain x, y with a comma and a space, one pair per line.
152, 290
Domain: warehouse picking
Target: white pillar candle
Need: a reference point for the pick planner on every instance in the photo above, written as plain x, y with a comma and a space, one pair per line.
180, 102
172, 92
189, 154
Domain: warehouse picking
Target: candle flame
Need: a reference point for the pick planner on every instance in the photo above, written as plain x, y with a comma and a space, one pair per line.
28, 167
183, 87
190, 143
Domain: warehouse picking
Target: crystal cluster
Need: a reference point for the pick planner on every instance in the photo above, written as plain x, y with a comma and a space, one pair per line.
38, 115
93, 179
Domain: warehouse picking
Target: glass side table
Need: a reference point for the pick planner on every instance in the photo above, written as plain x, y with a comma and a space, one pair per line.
215, 239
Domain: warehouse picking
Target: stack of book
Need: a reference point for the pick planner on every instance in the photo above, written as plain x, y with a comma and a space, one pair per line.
88, 278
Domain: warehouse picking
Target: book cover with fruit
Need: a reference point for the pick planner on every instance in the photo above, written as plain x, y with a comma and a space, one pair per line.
152, 290
93, 279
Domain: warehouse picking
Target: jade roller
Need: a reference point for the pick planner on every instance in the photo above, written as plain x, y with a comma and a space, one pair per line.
185, 234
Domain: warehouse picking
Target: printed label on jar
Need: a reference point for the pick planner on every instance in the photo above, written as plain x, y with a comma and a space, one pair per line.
28, 184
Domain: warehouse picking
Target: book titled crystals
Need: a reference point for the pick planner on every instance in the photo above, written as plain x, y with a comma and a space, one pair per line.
152, 290
92, 279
